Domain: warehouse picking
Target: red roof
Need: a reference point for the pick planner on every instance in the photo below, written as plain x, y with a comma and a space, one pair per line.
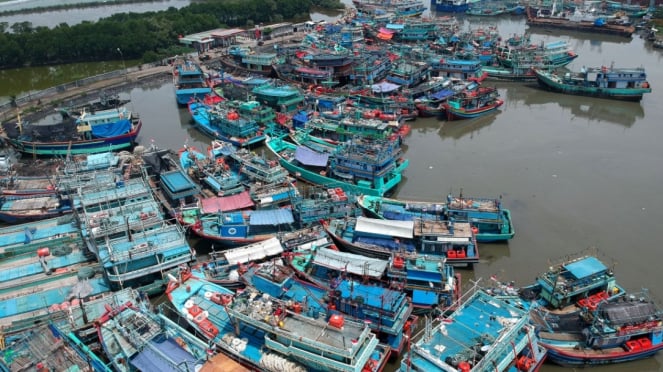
227, 203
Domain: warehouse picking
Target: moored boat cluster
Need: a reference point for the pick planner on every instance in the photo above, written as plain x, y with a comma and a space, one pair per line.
313, 266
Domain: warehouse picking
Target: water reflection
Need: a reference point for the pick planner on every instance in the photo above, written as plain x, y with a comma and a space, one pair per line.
594, 109
592, 38
457, 129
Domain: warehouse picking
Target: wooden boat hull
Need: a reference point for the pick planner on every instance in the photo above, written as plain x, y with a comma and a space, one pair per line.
579, 357
65, 148
277, 145
462, 113
555, 84
484, 235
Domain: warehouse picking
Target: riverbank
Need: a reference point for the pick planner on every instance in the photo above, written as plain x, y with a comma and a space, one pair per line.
41, 103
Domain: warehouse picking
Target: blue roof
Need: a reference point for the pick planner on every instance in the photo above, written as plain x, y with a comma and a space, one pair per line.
444, 93
586, 267
177, 181
271, 217
307, 156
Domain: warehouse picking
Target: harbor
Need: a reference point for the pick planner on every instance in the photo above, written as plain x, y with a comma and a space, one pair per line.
575, 172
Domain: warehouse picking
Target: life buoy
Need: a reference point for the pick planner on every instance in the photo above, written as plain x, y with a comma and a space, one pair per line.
219, 161
232, 231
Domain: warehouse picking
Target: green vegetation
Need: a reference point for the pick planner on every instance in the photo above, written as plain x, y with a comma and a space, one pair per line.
145, 36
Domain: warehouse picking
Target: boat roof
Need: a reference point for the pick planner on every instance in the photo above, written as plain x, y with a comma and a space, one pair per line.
384, 87
256, 251
399, 229
278, 216
177, 181
352, 263
307, 156
227, 203
482, 321
585, 267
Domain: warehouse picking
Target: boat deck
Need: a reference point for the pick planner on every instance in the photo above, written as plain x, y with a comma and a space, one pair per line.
222, 363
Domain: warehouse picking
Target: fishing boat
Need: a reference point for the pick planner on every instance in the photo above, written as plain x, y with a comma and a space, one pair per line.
586, 318
386, 312
30, 236
578, 22
257, 168
628, 84
225, 267
544, 56
106, 100
211, 170
458, 69
38, 283
247, 327
473, 103
408, 74
359, 166
133, 338
225, 124
26, 208
102, 131
482, 334
490, 220
282, 98
44, 349
433, 284
383, 238
233, 229
17, 185
189, 81
125, 228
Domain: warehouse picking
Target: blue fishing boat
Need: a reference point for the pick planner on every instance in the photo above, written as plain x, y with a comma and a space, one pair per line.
359, 166
482, 334
408, 74
457, 69
451, 6
282, 98
473, 103
234, 229
544, 56
52, 278
189, 81
586, 318
42, 348
490, 220
30, 236
386, 312
230, 321
210, 171
102, 131
432, 283
628, 84
125, 228
225, 267
225, 124
382, 238
20, 209
134, 339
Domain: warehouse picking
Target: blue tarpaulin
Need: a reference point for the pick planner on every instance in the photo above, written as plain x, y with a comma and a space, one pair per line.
271, 217
307, 156
161, 356
442, 94
113, 129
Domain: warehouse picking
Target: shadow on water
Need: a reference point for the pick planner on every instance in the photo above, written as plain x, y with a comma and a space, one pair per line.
594, 109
